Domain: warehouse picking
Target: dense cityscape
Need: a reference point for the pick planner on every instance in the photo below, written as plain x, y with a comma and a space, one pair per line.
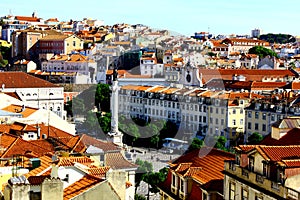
132, 112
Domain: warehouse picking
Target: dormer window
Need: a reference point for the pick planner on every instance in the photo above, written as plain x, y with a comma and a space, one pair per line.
265, 170
251, 163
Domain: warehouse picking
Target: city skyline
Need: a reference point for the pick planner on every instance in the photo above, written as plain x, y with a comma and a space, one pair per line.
220, 17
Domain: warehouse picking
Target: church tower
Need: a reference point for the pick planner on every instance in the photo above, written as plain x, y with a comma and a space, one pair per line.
115, 135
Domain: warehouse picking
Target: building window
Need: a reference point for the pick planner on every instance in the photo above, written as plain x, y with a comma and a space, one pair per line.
74, 43
256, 126
204, 196
264, 127
173, 180
233, 111
234, 122
258, 197
256, 115
249, 114
222, 122
251, 164
265, 169
241, 121
244, 194
232, 191
249, 125
272, 117
182, 185
264, 116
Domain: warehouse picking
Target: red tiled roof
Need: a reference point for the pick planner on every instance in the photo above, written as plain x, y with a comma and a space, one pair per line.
23, 80
104, 145
279, 153
210, 160
267, 85
292, 137
25, 18
70, 161
292, 163
4, 128
18, 109
250, 74
37, 180
44, 164
117, 161
21, 147
98, 171
81, 186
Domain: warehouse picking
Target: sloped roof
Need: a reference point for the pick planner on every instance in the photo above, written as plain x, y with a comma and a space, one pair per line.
23, 80
54, 37
117, 161
250, 74
45, 162
279, 153
80, 186
210, 160
104, 145
292, 137
21, 147
18, 109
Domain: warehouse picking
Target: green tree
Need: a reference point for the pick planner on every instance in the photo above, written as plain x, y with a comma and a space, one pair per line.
143, 168
255, 138
139, 197
221, 142
78, 106
155, 178
91, 121
155, 140
262, 51
196, 144
105, 122
133, 130
102, 97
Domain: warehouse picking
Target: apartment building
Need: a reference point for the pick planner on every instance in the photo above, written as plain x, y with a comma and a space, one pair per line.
34, 91
263, 172
262, 113
24, 42
60, 44
196, 110
196, 175
74, 68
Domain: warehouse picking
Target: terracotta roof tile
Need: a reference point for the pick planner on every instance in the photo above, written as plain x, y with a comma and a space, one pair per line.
104, 145
278, 153
81, 186
117, 161
21, 147
45, 162
210, 160
23, 80
18, 109
70, 161
37, 180
98, 171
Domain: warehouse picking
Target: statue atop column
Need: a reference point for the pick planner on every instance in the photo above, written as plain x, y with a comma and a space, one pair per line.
114, 133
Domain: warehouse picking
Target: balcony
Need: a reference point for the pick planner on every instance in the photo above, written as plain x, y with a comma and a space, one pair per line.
252, 178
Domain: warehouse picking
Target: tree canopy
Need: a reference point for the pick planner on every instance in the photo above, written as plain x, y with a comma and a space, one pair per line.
255, 138
262, 51
277, 38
